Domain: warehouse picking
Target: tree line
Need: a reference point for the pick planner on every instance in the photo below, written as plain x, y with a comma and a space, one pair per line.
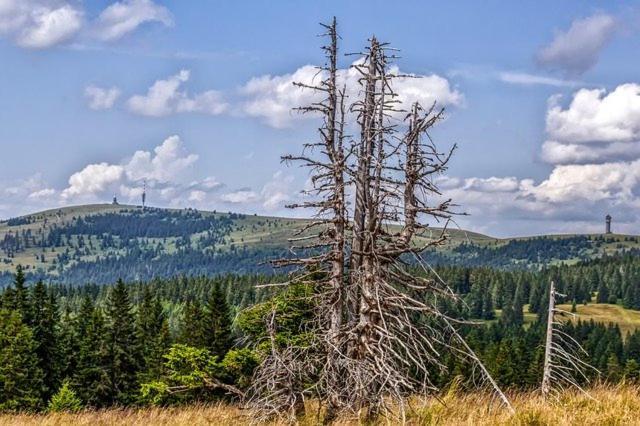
196, 338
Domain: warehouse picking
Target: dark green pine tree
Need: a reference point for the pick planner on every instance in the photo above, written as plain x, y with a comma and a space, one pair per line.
17, 299
616, 287
45, 334
535, 297
152, 328
218, 322
506, 319
123, 358
628, 300
193, 329
67, 344
603, 293
505, 364
475, 299
90, 378
20, 377
594, 281
636, 296
632, 346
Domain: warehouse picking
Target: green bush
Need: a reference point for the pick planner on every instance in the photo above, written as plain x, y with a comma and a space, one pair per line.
239, 365
65, 400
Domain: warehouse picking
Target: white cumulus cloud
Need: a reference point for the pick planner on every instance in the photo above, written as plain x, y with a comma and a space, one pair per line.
42, 24
278, 191
39, 24
273, 98
597, 126
597, 116
93, 179
165, 97
166, 168
167, 161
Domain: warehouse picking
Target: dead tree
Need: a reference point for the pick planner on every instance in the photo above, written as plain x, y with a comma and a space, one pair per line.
563, 364
371, 349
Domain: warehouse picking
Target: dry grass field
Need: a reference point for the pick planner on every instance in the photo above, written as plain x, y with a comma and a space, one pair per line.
610, 406
627, 319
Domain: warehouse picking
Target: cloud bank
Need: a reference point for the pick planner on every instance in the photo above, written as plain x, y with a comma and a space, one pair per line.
593, 147
273, 98
171, 178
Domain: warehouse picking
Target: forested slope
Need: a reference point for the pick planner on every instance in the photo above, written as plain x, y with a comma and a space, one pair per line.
101, 243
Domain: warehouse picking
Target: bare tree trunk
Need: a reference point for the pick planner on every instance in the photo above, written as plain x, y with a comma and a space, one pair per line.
368, 349
563, 366
546, 374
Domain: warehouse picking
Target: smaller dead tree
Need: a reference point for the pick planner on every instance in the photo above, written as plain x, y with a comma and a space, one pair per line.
563, 363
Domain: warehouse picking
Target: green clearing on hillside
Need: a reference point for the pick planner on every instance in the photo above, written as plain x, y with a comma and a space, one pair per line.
245, 240
248, 231
627, 319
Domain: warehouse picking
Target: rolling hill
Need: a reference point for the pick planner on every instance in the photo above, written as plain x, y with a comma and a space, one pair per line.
100, 243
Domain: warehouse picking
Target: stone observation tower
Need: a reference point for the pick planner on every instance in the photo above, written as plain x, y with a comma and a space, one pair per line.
608, 224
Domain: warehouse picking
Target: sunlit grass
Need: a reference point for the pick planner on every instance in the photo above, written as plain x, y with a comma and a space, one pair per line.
619, 405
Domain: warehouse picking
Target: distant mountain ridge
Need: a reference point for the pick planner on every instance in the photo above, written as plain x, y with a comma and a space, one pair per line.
102, 242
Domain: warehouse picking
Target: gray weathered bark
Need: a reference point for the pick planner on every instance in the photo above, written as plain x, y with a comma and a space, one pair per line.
369, 350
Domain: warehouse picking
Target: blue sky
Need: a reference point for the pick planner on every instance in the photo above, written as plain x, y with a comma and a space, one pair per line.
543, 99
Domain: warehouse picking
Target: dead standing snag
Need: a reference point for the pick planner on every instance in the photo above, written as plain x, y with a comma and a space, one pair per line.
368, 349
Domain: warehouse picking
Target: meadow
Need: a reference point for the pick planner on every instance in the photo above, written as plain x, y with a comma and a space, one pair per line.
617, 405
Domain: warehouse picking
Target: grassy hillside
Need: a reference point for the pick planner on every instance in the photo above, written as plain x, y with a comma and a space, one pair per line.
608, 406
627, 319
102, 242
55, 241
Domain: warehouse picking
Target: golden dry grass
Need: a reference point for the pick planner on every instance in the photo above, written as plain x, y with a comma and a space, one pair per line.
611, 406
627, 319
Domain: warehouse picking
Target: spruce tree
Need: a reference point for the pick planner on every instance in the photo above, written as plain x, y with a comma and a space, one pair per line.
603, 293
218, 321
193, 329
45, 333
67, 344
20, 376
628, 300
632, 346
152, 329
18, 298
122, 349
475, 300
90, 378
65, 400
594, 281
507, 317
